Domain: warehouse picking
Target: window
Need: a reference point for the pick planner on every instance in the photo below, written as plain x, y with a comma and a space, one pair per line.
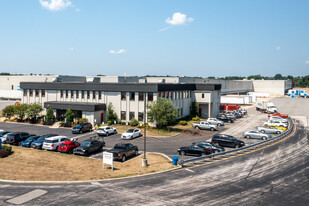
25, 92
66, 94
123, 95
163, 94
140, 116
123, 115
132, 96
88, 94
36, 92
150, 96
159, 94
132, 115
61, 93
83, 94
167, 95
93, 94
100, 95
43, 92
172, 95
77, 94
72, 94
12, 87
140, 96
203, 96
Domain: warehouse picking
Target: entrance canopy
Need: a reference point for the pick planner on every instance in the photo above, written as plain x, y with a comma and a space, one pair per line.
78, 106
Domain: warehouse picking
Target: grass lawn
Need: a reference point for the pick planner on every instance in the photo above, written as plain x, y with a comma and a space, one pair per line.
40, 165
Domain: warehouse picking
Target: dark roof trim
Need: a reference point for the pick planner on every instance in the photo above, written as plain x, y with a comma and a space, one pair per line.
79, 106
118, 87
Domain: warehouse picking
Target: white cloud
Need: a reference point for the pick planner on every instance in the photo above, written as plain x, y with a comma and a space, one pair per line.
77, 10
121, 51
179, 19
307, 62
55, 5
72, 49
278, 48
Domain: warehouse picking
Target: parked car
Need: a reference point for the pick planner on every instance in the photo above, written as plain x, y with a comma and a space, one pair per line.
243, 111
231, 115
255, 134
131, 134
237, 114
81, 128
227, 141
211, 146
275, 123
4, 138
225, 118
276, 118
37, 144
29, 140
205, 125
52, 143
215, 121
68, 146
106, 130
123, 151
89, 146
16, 137
271, 129
194, 150
279, 115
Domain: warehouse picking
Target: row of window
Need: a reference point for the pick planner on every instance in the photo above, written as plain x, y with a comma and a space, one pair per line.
140, 96
132, 115
175, 95
35, 91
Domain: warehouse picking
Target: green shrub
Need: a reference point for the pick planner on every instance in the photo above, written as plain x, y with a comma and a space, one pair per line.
109, 123
7, 148
195, 118
147, 126
183, 122
123, 123
134, 122
83, 120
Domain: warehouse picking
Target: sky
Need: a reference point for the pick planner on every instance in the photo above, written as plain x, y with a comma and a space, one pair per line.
198, 38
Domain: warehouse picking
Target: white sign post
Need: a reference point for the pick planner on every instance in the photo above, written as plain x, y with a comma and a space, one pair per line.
108, 159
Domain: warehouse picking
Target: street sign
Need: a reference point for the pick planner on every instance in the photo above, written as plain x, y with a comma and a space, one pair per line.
108, 159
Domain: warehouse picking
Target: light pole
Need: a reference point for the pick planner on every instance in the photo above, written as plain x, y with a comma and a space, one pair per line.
144, 160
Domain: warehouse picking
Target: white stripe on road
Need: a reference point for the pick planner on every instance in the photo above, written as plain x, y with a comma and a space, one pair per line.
189, 170
27, 197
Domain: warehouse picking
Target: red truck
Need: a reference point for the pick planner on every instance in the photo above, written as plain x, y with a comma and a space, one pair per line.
277, 114
229, 107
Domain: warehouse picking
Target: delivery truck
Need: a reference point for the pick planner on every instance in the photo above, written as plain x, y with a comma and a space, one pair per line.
266, 106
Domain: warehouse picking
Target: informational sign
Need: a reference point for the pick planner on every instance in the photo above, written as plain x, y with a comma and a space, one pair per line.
108, 159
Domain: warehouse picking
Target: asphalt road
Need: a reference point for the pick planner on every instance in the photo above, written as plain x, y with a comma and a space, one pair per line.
275, 175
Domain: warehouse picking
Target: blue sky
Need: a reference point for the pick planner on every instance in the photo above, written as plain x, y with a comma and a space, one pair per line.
155, 37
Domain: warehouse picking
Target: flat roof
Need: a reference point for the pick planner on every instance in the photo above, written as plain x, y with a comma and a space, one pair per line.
119, 87
79, 106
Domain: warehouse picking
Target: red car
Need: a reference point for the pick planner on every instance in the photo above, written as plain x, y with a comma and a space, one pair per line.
68, 146
279, 115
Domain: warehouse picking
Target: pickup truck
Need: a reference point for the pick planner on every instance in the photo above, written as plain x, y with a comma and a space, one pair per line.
215, 121
205, 125
122, 151
277, 114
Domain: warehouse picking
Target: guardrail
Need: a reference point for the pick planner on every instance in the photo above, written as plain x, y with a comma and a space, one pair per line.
248, 147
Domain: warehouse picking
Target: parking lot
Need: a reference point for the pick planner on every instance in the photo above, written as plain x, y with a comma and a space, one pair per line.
166, 145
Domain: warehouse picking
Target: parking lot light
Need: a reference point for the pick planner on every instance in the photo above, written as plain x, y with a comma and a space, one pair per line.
144, 160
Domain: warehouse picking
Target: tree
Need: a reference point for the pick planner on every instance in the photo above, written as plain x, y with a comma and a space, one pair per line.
50, 115
162, 111
9, 111
33, 110
278, 77
69, 115
111, 115
194, 109
20, 110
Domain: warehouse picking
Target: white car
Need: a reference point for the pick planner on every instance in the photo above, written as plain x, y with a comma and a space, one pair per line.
4, 138
278, 119
106, 130
131, 134
215, 121
275, 123
52, 143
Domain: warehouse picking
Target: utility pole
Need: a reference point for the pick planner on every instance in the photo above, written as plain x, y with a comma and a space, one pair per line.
144, 160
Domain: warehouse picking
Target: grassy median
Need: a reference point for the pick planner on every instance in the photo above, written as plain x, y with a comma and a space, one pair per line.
39, 165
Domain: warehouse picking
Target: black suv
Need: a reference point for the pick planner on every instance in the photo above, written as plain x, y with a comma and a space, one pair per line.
81, 128
227, 141
89, 146
225, 118
17, 137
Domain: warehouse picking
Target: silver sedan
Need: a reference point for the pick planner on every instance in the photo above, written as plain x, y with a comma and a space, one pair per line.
254, 134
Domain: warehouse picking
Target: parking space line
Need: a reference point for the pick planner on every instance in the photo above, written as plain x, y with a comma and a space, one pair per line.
27, 197
190, 170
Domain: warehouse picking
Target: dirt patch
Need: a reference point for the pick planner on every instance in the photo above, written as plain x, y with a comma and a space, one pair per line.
39, 165
193, 132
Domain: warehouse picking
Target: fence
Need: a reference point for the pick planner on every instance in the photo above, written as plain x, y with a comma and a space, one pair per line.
241, 149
